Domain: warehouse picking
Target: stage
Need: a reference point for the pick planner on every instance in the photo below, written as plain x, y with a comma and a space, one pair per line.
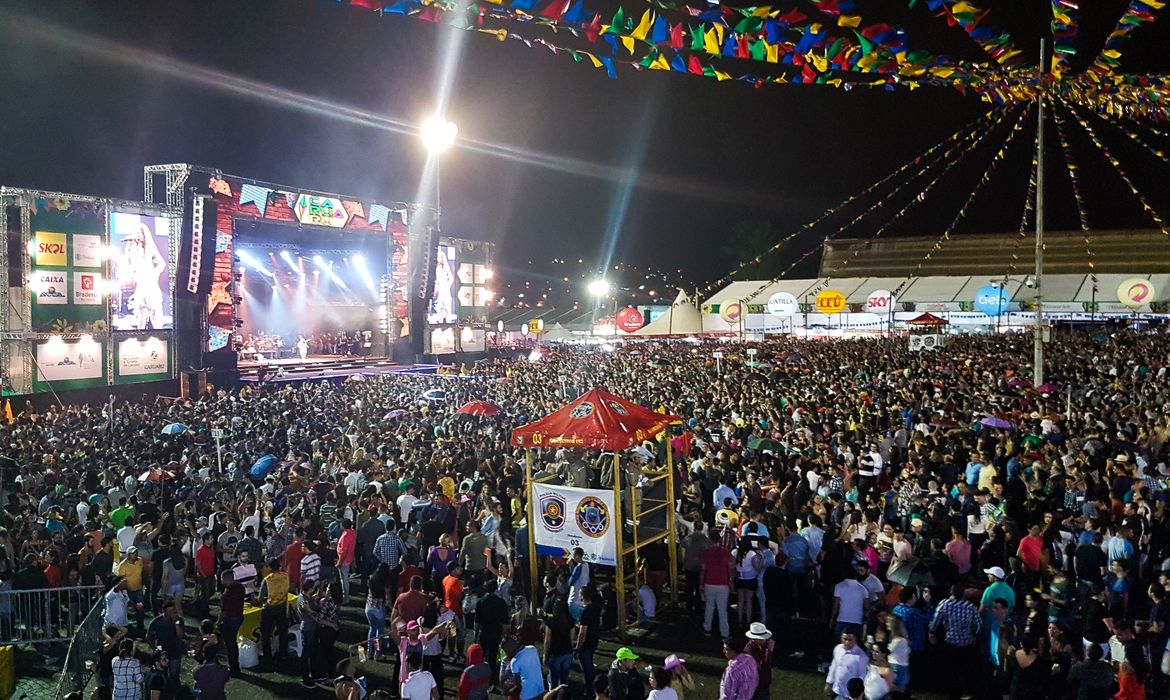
324, 367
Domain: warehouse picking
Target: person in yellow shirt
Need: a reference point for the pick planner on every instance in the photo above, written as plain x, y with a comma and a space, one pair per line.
131, 571
274, 616
987, 474
447, 484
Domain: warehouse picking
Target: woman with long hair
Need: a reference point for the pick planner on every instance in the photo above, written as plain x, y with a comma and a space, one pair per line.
376, 608
437, 559
558, 644
749, 562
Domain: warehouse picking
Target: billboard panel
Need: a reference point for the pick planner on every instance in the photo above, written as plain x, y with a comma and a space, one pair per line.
69, 365
66, 276
140, 289
137, 360
443, 308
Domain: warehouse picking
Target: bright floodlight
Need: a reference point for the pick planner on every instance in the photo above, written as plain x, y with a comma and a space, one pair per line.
358, 259
318, 259
438, 134
599, 287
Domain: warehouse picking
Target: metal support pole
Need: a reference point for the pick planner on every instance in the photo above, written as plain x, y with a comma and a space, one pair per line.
619, 557
534, 585
1038, 329
670, 521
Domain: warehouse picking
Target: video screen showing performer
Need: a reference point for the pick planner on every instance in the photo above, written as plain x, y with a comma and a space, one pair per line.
140, 263
442, 307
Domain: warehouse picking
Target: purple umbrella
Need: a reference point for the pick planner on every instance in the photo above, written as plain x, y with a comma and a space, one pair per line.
1019, 382
1048, 388
994, 422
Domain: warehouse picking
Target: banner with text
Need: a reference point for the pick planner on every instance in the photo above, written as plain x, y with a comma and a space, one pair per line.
568, 517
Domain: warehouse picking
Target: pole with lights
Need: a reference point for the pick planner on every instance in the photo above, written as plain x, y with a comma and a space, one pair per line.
437, 135
598, 288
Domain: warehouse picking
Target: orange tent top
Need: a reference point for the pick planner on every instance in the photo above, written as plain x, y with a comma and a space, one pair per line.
595, 420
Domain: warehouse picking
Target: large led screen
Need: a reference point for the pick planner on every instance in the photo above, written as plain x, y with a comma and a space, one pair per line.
140, 285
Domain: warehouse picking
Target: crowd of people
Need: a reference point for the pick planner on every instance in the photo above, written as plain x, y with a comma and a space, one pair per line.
912, 520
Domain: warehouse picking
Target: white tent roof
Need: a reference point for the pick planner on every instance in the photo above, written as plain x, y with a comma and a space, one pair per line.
682, 318
557, 332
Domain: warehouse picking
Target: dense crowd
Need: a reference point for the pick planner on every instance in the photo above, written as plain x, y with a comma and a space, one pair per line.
944, 523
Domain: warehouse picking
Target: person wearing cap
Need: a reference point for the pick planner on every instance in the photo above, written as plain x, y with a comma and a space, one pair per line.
131, 572
997, 588
625, 682
762, 648
681, 680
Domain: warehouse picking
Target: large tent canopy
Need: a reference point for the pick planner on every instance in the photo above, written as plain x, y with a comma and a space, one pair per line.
682, 318
595, 420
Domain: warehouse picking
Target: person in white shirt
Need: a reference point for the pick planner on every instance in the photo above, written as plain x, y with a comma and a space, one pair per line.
117, 605
126, 536
872, 583
849, 662
82, 512
419, 685
405, 505
850, 602
660, 680
578, 581
245, 573
647, 602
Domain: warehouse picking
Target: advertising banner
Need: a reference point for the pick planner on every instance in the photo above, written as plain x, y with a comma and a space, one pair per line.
87, 288
74, 364
141, 360
49, 287
568, 517
782, 305
140, 290
830, 301
66, 233
88, 251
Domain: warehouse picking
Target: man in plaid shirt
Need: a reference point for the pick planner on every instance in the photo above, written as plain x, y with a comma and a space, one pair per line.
388, 550
959, 620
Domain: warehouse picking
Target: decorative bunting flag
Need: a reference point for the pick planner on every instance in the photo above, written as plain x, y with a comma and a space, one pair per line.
258, 196
220, 186
379, 214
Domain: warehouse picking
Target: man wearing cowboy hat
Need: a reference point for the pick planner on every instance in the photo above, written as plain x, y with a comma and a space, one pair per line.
761, 648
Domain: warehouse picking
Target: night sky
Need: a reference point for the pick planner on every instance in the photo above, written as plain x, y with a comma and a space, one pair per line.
704, 158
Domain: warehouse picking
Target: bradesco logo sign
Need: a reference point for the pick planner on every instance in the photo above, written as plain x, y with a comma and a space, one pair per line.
830, 301
50, 248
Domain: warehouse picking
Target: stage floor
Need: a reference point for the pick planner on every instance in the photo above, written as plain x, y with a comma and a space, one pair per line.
324, 367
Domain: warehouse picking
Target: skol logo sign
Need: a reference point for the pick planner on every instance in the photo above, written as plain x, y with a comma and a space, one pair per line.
50, 248
830, 301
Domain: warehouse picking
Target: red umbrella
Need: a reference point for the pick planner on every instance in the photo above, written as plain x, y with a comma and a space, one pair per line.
156, 475
479, 408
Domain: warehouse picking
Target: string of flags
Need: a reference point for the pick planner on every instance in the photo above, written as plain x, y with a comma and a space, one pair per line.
1016, 129
945, 146
920, 198
1150, 211
1029, 210
827, 43
1070, 164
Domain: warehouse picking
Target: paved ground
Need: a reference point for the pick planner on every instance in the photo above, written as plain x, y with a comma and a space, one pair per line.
674, 632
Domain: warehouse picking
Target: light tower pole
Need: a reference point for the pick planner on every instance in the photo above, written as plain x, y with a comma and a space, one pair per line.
1038, 328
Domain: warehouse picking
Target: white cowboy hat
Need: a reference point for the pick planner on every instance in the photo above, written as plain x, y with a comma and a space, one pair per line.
758, 631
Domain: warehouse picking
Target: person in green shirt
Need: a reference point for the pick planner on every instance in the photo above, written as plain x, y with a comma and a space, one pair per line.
997, 589
118, 515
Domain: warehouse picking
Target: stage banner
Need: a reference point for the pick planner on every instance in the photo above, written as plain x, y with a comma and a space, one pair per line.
138, 360
67, 234
568, 517
64, 365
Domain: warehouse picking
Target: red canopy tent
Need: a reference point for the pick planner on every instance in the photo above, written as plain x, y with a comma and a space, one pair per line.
927, 319
595, 420
599, 420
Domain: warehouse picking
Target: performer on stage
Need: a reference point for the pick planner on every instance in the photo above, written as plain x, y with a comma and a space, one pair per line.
303, 347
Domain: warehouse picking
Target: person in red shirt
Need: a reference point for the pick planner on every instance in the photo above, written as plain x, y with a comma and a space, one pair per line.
52, 571
409, 605
205, 570
716, 568
1031, 550
346, 549
292, 560
453, 601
